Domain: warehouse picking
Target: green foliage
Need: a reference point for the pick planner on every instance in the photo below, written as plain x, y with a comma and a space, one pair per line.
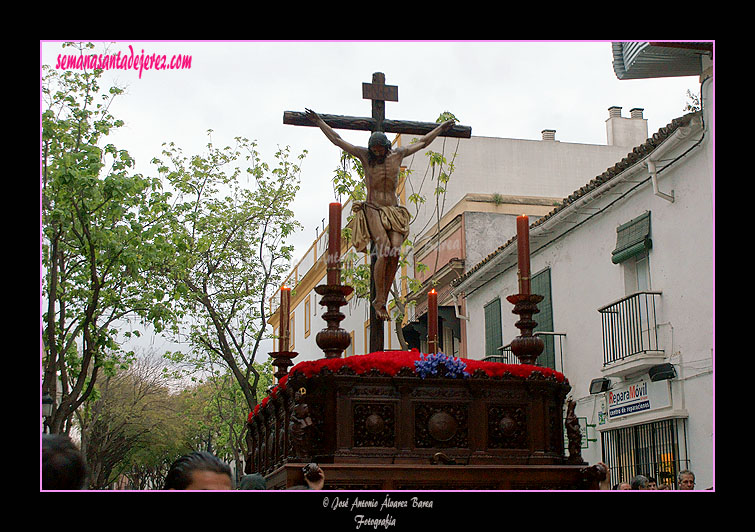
130, 425
195, 249
446, 115
101, 227
345, 183
355, 272
230, 222
693, 102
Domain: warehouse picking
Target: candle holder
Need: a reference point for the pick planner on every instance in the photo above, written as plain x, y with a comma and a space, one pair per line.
282, 361
432, 344
333, 340
526, 347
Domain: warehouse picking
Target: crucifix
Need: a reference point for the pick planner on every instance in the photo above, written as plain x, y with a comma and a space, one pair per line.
380, 221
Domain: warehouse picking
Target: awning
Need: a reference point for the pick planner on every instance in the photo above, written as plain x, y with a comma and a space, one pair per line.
632, 238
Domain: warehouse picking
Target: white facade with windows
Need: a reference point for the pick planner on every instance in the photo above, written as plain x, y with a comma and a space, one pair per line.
641, 324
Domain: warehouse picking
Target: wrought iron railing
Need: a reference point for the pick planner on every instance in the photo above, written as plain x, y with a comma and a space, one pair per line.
508, 357
630, 326
657, 450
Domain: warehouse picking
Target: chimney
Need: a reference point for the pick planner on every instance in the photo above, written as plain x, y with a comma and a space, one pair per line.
636, 112
549, 134
628, 132
614, 111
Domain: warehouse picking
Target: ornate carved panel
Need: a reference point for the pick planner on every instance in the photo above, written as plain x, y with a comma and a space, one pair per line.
441, 425
374, 424
556, 441
373, 391
317, 412
439, 392
270, 444
507, 427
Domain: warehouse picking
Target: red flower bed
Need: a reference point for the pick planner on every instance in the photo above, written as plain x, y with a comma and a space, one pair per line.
390, 362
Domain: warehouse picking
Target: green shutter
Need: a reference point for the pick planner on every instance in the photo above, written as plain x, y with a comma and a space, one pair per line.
541, 285
493, 334
632, 238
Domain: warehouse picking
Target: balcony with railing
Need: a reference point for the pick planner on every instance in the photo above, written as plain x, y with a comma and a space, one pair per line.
552, 356
630, 334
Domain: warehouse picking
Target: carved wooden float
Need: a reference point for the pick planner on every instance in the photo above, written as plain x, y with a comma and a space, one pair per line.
385, 421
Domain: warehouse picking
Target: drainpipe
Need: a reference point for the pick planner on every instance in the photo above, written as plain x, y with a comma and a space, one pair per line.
456, 308
654, 174
679, 136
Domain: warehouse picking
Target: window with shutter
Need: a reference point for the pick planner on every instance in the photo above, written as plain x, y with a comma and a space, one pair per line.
493, 334
632, 238
541, 285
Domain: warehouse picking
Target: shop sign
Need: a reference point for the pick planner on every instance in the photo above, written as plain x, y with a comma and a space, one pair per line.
637, 397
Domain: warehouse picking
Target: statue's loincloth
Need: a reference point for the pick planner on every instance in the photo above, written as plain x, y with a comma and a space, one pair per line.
394, 218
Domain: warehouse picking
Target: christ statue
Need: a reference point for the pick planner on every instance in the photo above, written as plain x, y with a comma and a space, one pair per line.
380, 219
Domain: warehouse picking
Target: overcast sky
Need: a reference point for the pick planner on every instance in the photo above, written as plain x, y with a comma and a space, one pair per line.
499, 89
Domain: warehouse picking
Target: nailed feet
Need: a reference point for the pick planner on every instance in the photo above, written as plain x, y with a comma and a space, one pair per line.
380, 310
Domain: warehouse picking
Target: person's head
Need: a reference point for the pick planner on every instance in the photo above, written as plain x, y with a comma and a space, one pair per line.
378, 147
652, 484
686, 480
253, 482
63, 464
199, 470
640, 482
664, 486
622, 486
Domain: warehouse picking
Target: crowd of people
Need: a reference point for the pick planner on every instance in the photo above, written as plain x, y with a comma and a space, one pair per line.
686, 481
64, 468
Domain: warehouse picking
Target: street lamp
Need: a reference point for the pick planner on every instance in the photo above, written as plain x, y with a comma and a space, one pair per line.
46, 405
599, 385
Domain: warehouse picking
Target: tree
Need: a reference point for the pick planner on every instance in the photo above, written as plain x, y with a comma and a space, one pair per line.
229, 242
132, 415
101, 240
693, 102
217, 411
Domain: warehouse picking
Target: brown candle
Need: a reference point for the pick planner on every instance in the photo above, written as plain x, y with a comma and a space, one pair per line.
285, 311
432, 321
334, 244
523, 249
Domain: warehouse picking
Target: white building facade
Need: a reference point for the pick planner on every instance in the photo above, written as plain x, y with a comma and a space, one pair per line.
626, 265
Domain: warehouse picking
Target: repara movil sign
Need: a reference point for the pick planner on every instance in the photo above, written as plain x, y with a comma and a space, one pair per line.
630, 400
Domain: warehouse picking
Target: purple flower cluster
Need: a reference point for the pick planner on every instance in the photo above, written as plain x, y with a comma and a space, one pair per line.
440, 365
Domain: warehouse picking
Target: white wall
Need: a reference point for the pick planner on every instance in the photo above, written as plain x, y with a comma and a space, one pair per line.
584, 279
511, 167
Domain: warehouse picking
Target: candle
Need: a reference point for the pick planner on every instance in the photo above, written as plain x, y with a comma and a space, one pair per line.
285, 310
334, 244
432, 321
523, 248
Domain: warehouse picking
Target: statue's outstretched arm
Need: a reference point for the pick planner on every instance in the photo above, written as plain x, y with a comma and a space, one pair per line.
425, 140
334, 137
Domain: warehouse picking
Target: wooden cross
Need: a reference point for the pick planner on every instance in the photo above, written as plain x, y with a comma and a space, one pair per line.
379, 93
